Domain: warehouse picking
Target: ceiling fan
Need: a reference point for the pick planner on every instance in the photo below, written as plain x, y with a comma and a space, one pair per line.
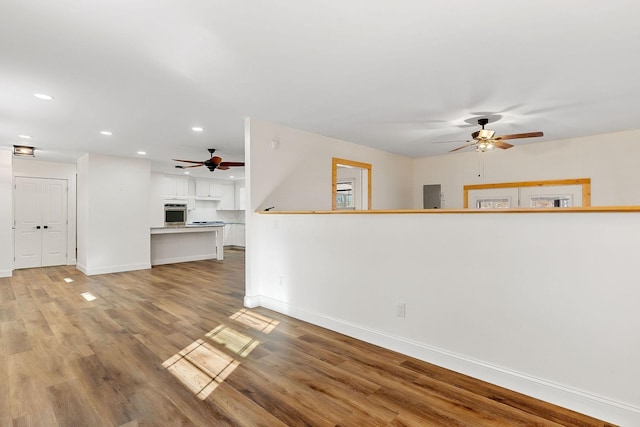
484, 139
215, 162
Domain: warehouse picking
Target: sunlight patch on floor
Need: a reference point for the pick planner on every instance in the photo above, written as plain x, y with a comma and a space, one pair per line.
201, 367
233, 340
254, 320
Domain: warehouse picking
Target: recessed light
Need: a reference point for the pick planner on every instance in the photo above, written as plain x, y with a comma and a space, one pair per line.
142, 152
43, 96
197, 129
231, 177
186, 172
24, 136
106, 132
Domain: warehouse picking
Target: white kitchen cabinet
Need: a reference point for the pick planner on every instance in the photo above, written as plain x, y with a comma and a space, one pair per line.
216, 190
207, 189
227, 199
240, 196
174, 187
234, 235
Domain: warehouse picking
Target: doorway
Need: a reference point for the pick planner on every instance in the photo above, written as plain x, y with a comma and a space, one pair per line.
351, 186
40, 217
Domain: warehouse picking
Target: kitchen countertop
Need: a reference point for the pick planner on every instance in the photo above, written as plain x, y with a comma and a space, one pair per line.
185, 228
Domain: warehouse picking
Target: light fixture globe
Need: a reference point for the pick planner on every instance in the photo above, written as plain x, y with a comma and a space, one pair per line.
23, 150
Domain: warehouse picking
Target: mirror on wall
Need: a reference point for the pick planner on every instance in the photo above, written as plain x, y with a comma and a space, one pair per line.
351, 185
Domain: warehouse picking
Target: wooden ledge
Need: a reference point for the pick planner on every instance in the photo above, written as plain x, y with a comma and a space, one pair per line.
587, 209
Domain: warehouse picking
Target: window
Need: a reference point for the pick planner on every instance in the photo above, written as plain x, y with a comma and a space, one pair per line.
344, 195
500, 203
550, 201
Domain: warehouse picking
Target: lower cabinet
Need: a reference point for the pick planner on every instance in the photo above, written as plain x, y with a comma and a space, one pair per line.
234, 235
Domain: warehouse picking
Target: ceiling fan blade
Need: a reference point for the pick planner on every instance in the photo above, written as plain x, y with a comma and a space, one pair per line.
460, 148
223, 168
475, 134
231, 164
188, 161
187, 167
503, 145
448, 142
520, 135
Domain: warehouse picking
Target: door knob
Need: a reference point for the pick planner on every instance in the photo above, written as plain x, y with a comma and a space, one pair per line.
38, 227
46, 226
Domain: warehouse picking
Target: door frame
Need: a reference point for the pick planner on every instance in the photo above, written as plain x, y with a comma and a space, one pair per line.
32, 168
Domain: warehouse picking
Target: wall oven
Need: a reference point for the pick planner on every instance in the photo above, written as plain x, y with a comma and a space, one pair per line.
175, 214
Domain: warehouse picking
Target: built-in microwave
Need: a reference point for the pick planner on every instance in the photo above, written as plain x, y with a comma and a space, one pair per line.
175, 214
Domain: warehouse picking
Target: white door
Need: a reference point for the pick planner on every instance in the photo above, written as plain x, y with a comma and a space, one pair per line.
40, 217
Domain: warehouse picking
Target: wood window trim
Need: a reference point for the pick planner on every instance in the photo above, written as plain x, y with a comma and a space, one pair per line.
584, 182
334, 178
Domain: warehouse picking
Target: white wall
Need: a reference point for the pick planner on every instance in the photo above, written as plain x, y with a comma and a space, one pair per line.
6, 215
39, 169
609, 160
297, 176
545, 304
113, 214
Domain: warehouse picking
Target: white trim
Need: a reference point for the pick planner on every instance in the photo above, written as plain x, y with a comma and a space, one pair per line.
113, 268
6, 273
252, 302
567, 397
175, 260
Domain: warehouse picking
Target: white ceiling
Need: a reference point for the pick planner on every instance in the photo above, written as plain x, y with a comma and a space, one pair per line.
392, 74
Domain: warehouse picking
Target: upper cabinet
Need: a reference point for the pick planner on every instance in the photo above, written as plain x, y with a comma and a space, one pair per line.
206, 189
174, 187
216, 190
240, 196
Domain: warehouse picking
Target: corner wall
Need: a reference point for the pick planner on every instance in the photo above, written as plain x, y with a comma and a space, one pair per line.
544, 304
113, 214
295, 174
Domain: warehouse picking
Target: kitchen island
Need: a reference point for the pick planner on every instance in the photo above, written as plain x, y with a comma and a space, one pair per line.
173, 244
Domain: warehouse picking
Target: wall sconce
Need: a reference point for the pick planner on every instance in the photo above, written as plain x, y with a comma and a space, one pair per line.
23, 150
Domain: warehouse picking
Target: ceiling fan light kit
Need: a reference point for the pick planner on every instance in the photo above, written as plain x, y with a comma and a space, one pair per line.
485, 139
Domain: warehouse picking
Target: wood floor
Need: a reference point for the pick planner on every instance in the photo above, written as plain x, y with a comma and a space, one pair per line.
173, 346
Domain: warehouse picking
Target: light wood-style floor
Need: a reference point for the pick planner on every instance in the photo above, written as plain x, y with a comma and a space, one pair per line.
173, 346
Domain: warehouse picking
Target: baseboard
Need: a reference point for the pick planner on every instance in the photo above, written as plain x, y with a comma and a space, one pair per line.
6, 273
176, 260
112, 268
585, 403
252, 302
82, 268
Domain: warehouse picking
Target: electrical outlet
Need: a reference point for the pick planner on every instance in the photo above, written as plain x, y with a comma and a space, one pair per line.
401, 309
